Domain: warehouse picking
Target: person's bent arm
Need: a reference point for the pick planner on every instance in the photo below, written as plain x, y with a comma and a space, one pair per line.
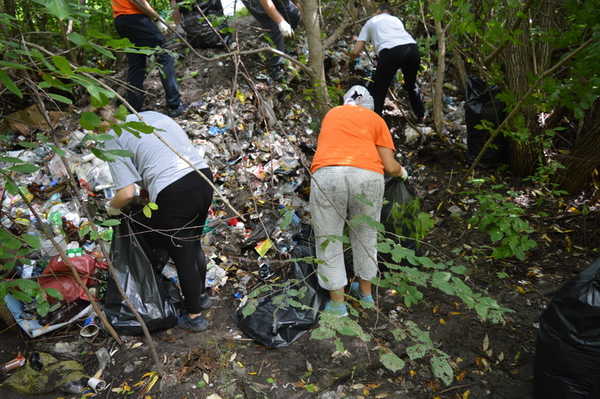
359, 46
123, 197
146, 8
390, 165
271, 11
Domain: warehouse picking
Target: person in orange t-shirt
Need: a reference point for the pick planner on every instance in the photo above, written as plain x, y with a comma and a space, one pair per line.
134, 20
354, 149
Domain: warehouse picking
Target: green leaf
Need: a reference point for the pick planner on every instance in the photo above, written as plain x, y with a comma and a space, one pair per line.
24, 168
120, 153
147, 211
102, 154
54, 293
152, 205
10, 160
13, 65
391, 361
77, 39
89, 120
43, 308
110, 222
136, 126
442, 369
58, 8
10, 84
441, 281
311, 388
32, 240
249, 308
417, 351
62, 64
322, 333
60, 98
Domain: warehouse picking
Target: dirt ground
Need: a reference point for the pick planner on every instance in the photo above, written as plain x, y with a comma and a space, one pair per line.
223, 361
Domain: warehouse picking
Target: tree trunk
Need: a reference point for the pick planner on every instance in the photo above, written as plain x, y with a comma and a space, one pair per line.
316, 60
585, 156
524, 60
9, 7
438, 90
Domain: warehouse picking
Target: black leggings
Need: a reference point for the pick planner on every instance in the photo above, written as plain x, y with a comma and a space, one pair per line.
179, 221
405, 57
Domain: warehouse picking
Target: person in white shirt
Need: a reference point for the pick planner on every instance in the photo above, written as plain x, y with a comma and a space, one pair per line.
397, 50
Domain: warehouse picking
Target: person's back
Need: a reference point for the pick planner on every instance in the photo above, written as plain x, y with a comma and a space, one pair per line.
385, 31
158, 166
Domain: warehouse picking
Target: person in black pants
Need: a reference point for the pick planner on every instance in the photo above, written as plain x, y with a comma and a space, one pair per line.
280, 17
183, 197
134, 21
397, 50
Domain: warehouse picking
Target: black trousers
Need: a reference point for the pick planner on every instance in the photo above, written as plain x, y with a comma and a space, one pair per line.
406, 58
178, 224
288, 11
141, 31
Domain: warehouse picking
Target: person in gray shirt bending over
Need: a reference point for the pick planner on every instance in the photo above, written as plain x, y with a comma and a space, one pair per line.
182, 195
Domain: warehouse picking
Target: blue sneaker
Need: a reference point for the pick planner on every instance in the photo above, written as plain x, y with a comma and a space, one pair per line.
336, 308
366, 301
196, 324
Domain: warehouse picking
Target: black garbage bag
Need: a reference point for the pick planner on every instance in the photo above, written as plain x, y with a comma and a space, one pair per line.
277, 326
482, 105
400, 210
198, 31
567, 360
153, 296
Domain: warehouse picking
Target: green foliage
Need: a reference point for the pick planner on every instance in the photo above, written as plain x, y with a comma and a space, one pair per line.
501, 218
408, 220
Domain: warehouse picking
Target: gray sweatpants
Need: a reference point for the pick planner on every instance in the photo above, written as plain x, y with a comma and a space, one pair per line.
337, 193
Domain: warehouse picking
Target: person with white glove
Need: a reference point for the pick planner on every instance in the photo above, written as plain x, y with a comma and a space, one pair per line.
354, 150
280, 17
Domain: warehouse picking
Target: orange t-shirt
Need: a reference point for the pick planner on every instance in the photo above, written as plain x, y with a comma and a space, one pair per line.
124, 7
349, 136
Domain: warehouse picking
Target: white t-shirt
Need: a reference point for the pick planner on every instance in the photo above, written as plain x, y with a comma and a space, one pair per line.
153, 164
385, 31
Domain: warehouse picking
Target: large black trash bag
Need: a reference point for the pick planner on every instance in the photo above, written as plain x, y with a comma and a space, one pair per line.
482, 105
198, 31
275, 326
400, 209
567, 360
151, 294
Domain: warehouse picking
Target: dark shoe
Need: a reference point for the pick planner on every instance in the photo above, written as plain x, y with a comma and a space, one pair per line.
196, 324
416, 103
175, 112
206, 301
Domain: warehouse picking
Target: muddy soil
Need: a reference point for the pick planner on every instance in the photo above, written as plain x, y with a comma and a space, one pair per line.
223, 361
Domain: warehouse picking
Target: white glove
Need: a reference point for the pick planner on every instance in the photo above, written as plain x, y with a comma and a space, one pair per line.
403, 174
286, 29
110, 210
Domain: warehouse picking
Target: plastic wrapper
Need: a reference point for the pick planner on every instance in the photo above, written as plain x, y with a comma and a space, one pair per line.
153, 296
567, 360
277, 326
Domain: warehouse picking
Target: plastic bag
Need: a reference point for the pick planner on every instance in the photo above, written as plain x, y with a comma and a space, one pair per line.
399, 210
152, 295
567, 362
277, 326
43, 373
482, 105
57, 275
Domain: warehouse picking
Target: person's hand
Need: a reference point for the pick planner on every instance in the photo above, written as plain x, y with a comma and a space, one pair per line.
110, 210
286, 29
403, 174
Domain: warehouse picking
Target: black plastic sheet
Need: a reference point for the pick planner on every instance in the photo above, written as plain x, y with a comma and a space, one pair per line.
277, 326
399, 219
567, 363
151, 294
482, 105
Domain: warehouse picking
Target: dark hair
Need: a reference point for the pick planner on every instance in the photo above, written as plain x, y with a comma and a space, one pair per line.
385, 7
